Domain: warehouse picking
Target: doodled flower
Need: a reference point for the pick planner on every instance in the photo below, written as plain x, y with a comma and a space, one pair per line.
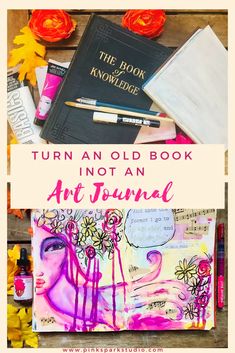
88, 227
193, 285
148, 23
185, 270
56, 226
202, 300
204, 268
46, 217
90, 252
112, 220
101, 240
71, 227
51, 25
190, 311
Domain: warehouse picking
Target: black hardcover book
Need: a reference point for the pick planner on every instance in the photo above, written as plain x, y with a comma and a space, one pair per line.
110, 64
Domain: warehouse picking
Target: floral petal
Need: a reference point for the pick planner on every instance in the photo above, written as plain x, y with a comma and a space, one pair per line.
41, 221
185, 264
50, 214
180, 276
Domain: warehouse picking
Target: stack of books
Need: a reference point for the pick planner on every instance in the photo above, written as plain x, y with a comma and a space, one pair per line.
120, 68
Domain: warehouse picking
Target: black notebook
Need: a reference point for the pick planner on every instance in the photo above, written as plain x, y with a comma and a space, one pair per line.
110, 65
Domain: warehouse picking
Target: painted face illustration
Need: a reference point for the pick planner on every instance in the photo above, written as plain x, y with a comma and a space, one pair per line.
50, 260
44, 105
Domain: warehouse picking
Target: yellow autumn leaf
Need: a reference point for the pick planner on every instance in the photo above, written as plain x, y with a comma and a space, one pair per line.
32, 341
19, 328
11, 270
11, 309
25, 315
14, 253
31, 54
17, 344
13, 141
13, 323
13, 256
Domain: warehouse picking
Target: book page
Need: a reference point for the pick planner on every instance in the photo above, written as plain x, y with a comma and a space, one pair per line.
192, 88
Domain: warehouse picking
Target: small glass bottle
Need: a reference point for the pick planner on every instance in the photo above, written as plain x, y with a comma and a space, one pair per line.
23, 280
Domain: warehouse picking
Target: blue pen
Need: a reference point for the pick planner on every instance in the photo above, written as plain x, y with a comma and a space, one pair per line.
96, 103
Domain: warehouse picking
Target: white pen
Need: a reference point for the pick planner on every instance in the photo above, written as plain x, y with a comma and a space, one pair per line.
108, 118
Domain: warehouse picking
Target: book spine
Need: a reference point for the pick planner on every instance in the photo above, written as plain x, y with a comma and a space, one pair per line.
49, 121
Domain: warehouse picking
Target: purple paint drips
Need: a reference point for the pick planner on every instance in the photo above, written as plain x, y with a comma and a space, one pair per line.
113, 291
84, 328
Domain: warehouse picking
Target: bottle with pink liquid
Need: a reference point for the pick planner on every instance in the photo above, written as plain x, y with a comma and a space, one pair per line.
23, 280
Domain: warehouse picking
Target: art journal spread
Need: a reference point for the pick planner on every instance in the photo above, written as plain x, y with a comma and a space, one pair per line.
112, 269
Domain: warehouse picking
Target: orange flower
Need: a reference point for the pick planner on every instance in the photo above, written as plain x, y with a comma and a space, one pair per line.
51, 25
148, 23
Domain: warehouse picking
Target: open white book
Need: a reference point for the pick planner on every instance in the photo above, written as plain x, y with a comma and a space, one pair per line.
191, 87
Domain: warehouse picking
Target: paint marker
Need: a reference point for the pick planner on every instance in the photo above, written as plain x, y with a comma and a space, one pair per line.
96, 103
220, 266
55, 74
123, 120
